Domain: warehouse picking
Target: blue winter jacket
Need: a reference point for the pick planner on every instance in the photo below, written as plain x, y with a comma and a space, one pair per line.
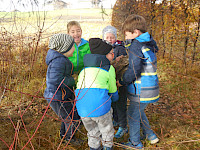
96, 86
136, 57
59, 68
141, 75
118, 50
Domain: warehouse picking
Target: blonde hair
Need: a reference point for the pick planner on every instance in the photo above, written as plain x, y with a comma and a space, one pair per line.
72, 23
133, 22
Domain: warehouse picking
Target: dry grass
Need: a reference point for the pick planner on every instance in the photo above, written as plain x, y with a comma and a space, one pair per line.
175, 118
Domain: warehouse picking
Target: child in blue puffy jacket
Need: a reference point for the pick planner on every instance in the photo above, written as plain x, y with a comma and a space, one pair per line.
96, 89
141, 79
59, 81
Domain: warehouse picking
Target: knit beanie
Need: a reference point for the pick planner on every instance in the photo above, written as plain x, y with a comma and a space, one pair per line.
98, 46
109, 29
61, 42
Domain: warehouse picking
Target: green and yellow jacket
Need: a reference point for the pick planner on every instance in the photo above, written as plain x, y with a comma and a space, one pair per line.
96, 87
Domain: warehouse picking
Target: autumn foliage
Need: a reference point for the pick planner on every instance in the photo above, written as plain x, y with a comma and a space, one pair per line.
175, 25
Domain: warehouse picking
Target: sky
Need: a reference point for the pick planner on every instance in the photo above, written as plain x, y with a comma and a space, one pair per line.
23, 5
27, 5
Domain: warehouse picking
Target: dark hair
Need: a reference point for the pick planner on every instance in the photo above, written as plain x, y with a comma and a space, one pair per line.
133, 22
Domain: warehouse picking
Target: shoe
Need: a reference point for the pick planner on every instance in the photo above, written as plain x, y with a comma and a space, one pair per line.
96, 148
120, 132
115, 124
153, 139
107, 148
138, 146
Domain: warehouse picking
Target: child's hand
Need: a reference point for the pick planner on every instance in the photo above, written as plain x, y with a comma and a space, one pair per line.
75, 76
118, 84
118, 58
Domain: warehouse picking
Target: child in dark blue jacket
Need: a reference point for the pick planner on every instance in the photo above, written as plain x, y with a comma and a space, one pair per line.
141, 79
59, 81
109, 34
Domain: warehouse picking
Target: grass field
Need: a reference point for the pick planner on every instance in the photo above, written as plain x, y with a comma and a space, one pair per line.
26, 23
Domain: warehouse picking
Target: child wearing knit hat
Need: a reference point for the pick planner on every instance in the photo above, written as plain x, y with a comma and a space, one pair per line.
96, 89
109, 34
59, 81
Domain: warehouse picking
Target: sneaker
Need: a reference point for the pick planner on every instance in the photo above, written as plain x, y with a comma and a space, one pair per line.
153, 139
120, 132
107, 148
130, 144
100, 148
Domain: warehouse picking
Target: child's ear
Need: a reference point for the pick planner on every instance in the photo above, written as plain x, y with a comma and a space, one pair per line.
136, 31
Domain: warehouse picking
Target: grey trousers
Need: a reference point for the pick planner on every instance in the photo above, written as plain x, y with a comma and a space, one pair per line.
99, 129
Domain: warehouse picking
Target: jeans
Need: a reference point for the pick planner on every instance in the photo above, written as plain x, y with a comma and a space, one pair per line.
120, 108
136, 119
64, 111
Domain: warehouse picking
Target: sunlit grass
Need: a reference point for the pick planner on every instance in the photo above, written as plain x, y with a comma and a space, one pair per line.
51, 21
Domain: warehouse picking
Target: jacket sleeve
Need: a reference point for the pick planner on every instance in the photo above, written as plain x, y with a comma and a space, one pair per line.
59, 71
155, 47
112, 85
69, 80
119, 50
135, 66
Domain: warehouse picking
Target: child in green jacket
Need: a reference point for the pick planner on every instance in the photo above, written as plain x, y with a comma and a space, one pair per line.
81, 45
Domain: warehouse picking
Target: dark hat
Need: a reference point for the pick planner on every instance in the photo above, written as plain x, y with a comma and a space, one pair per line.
98, 46
61, 42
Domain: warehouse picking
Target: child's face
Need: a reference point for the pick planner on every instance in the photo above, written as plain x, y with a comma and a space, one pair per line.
110, 55
110, 38
70, 52
130, 35
76, 33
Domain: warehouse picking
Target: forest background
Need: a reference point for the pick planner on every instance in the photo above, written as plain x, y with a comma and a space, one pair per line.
26, 120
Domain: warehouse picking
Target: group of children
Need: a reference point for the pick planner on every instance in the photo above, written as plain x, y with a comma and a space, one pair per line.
100, 100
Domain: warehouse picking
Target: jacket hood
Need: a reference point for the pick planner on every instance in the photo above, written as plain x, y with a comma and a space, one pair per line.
52, 54
83, 42
145, 37
148, 40
95, 60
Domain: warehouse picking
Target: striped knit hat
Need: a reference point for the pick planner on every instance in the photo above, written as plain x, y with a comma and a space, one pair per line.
61, 42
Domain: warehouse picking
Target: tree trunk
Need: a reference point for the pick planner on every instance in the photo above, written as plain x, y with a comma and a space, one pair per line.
186, 34
172, 35
196, 39
163, 35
